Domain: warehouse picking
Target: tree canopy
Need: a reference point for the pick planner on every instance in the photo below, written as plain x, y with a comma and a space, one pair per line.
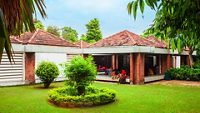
69, 34
53, 30
93, 31
176, 20
15, 16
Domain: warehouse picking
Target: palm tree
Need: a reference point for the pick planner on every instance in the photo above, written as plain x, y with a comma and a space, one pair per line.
15, 16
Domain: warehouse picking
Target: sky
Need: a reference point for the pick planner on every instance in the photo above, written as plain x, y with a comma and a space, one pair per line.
112, 14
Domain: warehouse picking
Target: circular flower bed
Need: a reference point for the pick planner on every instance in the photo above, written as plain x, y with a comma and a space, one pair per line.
67, 97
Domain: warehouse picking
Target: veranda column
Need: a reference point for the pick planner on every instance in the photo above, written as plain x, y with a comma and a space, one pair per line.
30, 68
113, 62
166, 63
131, 68
139, 69
169, 61
116, 62
163, 64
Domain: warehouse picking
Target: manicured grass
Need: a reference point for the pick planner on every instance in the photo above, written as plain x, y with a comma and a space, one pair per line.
149, 98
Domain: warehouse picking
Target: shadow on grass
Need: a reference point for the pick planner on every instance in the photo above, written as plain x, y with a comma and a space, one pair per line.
41, 86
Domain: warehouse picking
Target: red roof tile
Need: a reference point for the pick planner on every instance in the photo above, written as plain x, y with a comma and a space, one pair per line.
41, 37
157, 42
82, 44
126, 38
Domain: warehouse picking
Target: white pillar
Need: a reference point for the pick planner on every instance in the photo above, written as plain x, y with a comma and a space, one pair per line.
178, 61
154, 60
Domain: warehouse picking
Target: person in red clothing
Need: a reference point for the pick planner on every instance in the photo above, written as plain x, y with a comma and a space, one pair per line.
122, 79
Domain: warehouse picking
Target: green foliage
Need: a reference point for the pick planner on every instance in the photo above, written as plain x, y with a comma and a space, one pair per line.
80, 73
83, 37
53, 30
38, 24
69, 34
196, 65
15, 16
197, 57
93, 31
47, 72
93, 96
176, 21
184, 73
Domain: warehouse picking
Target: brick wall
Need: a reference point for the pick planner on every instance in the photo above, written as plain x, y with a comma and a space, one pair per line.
139, 69
30, 68
166, 63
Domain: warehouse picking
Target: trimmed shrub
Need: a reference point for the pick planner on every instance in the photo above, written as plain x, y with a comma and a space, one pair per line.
80, 73
93, 96
183, 73
47, 71
196, 65
77, 93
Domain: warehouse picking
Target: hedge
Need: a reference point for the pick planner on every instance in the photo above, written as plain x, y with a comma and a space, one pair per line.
183, 73
66, 97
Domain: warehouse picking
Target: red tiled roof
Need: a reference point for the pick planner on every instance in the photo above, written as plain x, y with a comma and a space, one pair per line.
41, 37
82, 44
126, 38
156, 42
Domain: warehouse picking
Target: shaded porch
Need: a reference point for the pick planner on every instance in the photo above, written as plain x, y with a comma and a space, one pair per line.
140, 67
146, 79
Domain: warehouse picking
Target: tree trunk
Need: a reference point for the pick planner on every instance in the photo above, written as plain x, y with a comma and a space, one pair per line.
46, 85
190, 56
191, 59
81, 90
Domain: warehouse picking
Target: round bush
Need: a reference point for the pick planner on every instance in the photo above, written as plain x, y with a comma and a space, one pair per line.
47, 71
67, 97
81, 72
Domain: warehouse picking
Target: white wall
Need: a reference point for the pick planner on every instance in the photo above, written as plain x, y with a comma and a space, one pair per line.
178, 61
57, 58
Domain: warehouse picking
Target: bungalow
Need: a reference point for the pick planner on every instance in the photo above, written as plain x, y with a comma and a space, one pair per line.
137, 55
121, 50
29, 50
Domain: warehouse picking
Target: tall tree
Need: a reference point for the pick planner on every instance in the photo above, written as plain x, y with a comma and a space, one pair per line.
53, 30
69, 34
38, 24
15, 16
83, 37
176, 20
93, 31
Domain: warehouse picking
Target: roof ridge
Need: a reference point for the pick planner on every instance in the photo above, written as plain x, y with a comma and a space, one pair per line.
128, 33
114, 34
33, 36
57, 37
102, 40
15, 38
18, 40
108, 37
50, 34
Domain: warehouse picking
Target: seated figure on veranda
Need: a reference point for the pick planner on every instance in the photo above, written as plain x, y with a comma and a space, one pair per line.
115, 74
122, 78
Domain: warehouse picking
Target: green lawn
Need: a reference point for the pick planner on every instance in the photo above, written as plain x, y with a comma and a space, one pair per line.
149, 98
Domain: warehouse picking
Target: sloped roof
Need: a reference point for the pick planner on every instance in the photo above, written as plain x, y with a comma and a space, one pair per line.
40, 37
126, 38
82, 44
157, 42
